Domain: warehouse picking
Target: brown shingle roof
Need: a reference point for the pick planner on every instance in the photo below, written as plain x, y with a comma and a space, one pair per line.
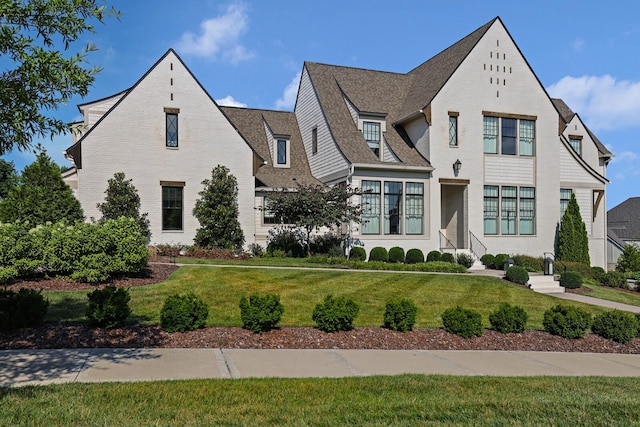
250, 125
567, 115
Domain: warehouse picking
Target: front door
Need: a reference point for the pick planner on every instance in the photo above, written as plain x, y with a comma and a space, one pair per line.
454, 220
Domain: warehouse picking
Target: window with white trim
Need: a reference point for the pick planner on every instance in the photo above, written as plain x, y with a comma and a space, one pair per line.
414, 210
372, 135
509, 136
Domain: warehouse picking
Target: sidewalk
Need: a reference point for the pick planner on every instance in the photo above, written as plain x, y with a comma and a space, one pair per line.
27, 367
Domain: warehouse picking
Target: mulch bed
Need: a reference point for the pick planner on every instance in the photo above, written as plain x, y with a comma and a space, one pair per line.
79, 335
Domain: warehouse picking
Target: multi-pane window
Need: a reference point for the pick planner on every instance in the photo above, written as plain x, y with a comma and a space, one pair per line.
509, 136
268, 217
371, 207
371, 131
171, 208
172, 130
392, 207
282, 152
414, 210
453, 130
509, 210
576, 144
314, 140
565, 196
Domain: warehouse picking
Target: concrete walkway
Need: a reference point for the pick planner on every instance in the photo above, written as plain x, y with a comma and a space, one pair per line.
39, 367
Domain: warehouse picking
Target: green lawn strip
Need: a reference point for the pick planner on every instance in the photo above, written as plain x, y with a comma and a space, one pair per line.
389, 400
300, 290
612, 294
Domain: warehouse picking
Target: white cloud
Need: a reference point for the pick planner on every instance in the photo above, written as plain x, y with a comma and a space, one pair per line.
603, 102
219, 37
229, 101
288, 99
577, 45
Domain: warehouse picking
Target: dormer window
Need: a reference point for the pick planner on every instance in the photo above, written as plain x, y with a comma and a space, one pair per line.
576, 144
371, 131
282, 155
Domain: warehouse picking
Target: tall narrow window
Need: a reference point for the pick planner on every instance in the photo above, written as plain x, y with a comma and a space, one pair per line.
414, 211
509, 136
509, 211
371, 131
172, 130
371, 207
171, 208
491, 200
392, 207
282, 152
565, 196
490, 131
453, 130
576, 144
527, 137
527, 210
314, 140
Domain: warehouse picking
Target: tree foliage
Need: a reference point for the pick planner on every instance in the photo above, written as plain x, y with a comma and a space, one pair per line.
41, 195
8, 178
629, 259
43, 67
573, 242
311, 207
122, 199
217, 211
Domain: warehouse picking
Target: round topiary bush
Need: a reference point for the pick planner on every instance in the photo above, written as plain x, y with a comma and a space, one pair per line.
260, 313
108, 307
396, 254
400, 315
566, 321
357, 253
434, 256
488, 260
616, 325
447, 257
597, 273
182, 313
465, 260
414, 256
509, 318
23, 309
463, 322
517, 274
379, 254
571, 279
335, 314
499, 260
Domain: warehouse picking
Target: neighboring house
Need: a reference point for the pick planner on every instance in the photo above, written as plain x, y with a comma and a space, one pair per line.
465, 152
623, 228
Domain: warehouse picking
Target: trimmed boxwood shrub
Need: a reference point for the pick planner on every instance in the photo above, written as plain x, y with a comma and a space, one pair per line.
614, 279
597, 273
517, 274
509, 318
498, 261
379, 254
414, 256
108, 307
566, 321
335, 314
488, 260
465, 260
447, 257
400, 315
261, 313
396, 254
434, 256
571, 279
530, 263
23, 309
616, 325
357, 253
181, 313
462, 321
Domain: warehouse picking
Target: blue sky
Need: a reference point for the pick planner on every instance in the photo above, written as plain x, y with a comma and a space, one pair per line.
250, 53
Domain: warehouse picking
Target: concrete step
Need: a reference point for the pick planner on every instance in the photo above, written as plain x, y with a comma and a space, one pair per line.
545, 284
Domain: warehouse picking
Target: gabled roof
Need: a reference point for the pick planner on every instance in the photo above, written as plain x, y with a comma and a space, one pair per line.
568, 115
250, 125
624, 219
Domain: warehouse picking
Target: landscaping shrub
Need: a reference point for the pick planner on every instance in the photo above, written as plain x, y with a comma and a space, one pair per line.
597, 273
400, 315
325, 243
414, 256
181, 313
488, 260
260, 313
463, 322
442, 267
218, 253
530, 263
396, 255
256, 250
8, 274
108, 307
508, 318
23, 309
448, 257
614, 279
357, 253
465, 260
335, 314
583, 269
638, 320
517, 274
616, 325
566, 321
379, 254
499, 260
571, 279
629, 259
288, 240
434, 256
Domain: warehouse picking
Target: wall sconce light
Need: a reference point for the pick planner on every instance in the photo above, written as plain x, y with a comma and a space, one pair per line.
457, 166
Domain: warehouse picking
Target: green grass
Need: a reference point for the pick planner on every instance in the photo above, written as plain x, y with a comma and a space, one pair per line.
612, 294
300, 290
377, 401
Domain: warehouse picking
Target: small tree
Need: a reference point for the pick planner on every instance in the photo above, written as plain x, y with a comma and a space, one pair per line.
217, 212
573, 242
41, 195
122, 199
8, 178
629, 260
